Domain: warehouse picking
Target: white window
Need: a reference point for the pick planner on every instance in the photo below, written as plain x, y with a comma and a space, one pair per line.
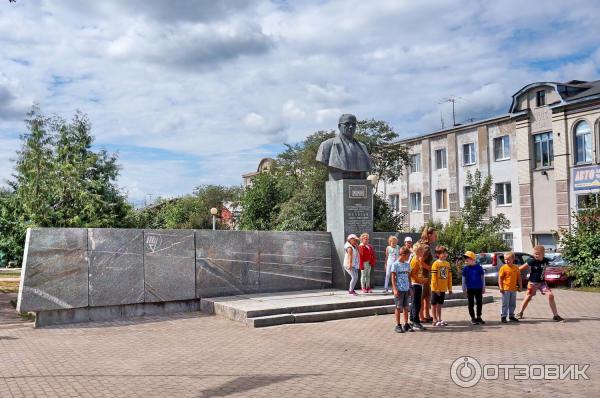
415, 201
583, 143
468, 192
469, 156
503, 194
440, 159
588, 201
508, 239
415, 163
543, 150
441, 199
502, 148
394, 201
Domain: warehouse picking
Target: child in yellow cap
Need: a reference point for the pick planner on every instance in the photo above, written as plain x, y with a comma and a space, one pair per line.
473, 285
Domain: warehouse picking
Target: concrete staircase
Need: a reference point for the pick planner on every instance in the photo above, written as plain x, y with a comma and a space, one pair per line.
261, 310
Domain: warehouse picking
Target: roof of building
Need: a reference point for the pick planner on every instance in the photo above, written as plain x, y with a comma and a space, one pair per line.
571, 91
458, 127
582, 89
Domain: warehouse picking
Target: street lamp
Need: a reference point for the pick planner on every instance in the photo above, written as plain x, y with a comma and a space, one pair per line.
373, 179
214, 212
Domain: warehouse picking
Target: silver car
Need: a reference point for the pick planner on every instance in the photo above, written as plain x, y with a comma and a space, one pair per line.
491, 263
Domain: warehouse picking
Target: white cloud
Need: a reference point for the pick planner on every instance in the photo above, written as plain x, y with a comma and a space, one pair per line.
220, 81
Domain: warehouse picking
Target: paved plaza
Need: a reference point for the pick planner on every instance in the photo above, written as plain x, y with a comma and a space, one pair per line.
196, 355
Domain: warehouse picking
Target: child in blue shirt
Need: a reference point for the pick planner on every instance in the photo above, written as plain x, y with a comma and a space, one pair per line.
401, 287
473, 285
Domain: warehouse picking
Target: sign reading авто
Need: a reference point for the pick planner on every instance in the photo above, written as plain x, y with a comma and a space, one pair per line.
586, 178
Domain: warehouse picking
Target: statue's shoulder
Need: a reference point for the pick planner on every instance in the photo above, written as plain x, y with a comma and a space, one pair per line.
327, 143
324, 150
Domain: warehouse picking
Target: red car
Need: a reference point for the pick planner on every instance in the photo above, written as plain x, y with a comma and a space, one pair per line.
557, 272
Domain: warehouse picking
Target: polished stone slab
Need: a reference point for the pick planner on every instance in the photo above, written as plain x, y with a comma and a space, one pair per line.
116, 266
294, 260
169, 265
226, 262
55, 270
101, 268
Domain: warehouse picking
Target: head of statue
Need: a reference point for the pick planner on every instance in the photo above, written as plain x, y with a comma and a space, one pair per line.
347, 125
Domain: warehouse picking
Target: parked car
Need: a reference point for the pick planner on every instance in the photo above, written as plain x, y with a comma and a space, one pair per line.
557, 271
491, 263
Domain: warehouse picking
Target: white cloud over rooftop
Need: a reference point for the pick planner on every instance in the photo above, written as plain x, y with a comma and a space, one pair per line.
222, 84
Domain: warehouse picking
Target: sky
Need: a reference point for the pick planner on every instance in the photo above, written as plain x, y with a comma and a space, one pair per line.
193, 92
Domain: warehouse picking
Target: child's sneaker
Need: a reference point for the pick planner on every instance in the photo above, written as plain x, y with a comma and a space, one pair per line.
474, 321
364, 290
558, 318
513, 319
503, 319
352, 292
408, 328
399, 329
418, 326
520, 316
481, 321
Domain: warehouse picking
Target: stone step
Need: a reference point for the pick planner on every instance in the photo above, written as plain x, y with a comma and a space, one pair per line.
232, 310
336, 314
260, 310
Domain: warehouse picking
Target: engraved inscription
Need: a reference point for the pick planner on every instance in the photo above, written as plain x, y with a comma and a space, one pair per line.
358, 218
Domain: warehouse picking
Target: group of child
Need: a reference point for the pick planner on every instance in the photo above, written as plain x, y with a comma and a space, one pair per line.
415, 273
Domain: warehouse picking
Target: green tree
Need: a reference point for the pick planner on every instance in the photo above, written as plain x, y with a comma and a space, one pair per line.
385, 219
59, 181
475, 229
262, 202
581, 246
476, 210
190, 211
292, 197
389, 158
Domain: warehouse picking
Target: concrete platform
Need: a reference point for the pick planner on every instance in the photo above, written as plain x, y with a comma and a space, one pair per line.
260, 310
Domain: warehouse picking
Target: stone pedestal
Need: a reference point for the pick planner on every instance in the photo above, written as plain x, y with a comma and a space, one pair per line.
349, 211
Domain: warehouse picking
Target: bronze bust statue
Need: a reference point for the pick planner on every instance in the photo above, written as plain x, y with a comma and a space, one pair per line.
345, 157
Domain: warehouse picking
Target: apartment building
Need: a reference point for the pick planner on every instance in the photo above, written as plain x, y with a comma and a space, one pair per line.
543, 156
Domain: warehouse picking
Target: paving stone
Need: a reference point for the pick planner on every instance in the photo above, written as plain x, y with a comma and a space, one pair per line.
194, 355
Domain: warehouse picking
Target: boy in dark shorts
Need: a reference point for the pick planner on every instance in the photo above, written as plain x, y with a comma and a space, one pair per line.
536, 282
441, 281
401, 288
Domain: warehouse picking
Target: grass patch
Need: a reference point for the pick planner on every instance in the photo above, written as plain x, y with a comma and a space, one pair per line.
9, 287
591, 289
27, 316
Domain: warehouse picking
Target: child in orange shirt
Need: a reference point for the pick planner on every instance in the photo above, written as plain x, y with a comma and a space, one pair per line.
509, 277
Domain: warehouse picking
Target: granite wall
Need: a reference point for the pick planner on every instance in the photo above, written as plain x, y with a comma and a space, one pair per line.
89, 268
379, 240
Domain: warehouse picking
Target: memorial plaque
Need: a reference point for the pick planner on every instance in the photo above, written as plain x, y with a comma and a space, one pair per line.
357, 191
